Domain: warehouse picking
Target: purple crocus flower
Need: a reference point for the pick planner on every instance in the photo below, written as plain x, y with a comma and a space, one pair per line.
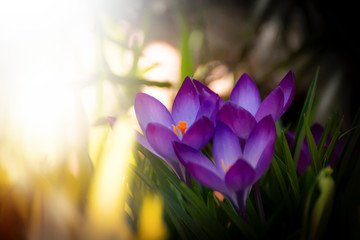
246, 107
305, 156
234, 168
191, 121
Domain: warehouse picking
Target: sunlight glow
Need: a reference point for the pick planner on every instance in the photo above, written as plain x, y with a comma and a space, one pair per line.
166, 61
48, 48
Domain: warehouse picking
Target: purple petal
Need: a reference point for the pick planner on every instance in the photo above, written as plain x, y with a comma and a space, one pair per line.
238, 119
289, 138
263, 134
240, 199
199, 134
265, 160
240, 176
337, 151
226, 147
288, 86
160, 139
206, 177
111, 120
205, 92
175, 165
141, 139
186, 103
200, 167
317, 131
148, 109
304, 160
272, 105
305, 157
246, 94
209, 107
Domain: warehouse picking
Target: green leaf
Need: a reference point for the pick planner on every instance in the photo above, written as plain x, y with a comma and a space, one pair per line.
199, 209
322, 209
181, 220
309, 100
322, 142
239, 222
280, 179
349, 147
292, 174
186, 59
315, 159
211, 204
335, 139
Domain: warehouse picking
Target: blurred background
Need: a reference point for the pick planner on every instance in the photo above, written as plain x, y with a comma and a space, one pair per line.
66, 66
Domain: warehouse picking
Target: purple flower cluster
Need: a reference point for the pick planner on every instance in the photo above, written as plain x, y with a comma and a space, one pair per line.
242, 131
305, 157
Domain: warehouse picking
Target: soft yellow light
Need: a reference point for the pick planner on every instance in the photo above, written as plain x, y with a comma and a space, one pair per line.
151, 224
108, 190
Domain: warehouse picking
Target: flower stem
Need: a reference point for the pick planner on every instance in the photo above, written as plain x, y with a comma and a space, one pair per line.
259, 204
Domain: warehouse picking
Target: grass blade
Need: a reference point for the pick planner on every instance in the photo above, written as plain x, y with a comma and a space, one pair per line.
315, 159
309, 100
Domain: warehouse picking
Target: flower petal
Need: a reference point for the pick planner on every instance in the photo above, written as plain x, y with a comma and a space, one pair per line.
289, 138
199, 134
264, 160
204, 91
186, 103
111, 120
141, 139
304, 159
226, 147
239, 199
200, 167
246, 94
263, 134
272, 105
148, 109
317, 131
209, 107
288, 86
160, 139
240, 176
238, 119
175, 165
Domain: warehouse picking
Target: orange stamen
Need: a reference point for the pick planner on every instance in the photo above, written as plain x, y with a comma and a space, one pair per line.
218, 197
174, 128
182, 127
223, 165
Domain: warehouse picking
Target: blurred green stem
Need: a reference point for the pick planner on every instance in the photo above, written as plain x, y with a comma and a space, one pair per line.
259, 204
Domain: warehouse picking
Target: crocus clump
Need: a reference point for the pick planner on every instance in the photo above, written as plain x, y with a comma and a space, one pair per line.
242, 132
191, 121
305, 156
246, 107
235, 168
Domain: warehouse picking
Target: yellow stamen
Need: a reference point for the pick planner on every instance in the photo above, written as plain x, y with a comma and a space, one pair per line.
182, 127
